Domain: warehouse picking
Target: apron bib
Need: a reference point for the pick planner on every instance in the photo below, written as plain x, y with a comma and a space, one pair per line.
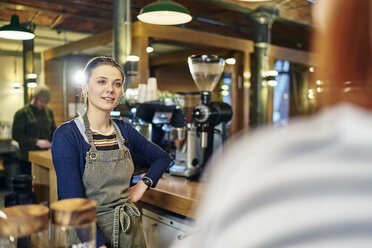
106, 179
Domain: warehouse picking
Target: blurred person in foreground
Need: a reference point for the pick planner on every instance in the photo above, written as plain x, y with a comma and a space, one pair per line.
33, 127
309, 184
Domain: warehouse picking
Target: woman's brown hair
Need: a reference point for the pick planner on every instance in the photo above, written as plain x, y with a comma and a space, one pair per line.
101, 60
94, 63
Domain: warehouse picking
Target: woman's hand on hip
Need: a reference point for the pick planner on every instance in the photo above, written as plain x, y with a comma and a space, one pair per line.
137, 191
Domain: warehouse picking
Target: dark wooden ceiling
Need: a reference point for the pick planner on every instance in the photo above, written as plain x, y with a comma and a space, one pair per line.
227, 17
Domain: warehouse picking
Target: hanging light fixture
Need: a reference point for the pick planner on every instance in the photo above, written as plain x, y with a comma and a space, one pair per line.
164, 12
15, 31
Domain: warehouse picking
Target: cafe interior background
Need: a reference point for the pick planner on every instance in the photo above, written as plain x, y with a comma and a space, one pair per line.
268, 75
67, 33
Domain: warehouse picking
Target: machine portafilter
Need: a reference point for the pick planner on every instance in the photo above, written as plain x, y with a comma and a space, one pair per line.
206, 70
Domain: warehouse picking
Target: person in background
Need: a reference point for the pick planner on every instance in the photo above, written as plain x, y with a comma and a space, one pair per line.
309, 184
33, 127
92, 158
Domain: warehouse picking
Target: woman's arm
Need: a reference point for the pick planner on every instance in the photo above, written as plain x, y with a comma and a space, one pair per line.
158, 158
65, 154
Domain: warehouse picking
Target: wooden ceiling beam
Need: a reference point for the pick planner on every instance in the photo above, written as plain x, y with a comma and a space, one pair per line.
190, 36
177, 34
181, 57
76, 46
30, 8
292, 55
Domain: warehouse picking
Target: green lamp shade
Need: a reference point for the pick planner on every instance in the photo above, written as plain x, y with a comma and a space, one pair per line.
15, 31
164, 12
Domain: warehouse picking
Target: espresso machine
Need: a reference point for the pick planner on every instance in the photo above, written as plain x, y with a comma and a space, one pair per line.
188, 157
202, 117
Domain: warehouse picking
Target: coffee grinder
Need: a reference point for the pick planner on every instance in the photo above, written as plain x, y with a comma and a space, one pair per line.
206, 71
202, 117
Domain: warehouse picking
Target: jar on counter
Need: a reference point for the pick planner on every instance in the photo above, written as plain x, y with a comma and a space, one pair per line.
73, 223
24, 226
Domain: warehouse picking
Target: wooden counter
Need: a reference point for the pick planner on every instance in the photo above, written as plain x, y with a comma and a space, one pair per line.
44, 176
174, 194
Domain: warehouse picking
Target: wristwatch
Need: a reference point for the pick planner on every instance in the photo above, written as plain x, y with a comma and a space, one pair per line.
147, 181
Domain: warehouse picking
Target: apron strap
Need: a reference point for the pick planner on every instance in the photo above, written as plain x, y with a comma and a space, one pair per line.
122, 215
118, 134
88, 132
93, 153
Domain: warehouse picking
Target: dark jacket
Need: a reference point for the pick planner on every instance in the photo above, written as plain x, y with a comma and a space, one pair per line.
29, 125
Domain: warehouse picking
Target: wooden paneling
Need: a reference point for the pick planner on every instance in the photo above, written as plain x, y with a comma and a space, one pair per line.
292, 55
246, 88
53, 73
139, 48
237, 92
54, 78
174, 78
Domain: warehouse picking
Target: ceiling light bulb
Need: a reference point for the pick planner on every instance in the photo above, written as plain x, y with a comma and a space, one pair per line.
230, 61
149, 49
31, 76
133, 58
31, 85
272, 83
16, 85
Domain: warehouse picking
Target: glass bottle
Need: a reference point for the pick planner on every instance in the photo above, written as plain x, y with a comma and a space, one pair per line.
24, 226
73, 223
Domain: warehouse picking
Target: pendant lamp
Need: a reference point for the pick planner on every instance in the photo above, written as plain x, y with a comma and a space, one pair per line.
164, 12
15, 31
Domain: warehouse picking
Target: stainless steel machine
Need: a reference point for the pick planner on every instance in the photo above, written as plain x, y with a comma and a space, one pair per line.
188, 158
202, 116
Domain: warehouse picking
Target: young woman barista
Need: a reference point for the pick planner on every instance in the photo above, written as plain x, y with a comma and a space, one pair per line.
92, 158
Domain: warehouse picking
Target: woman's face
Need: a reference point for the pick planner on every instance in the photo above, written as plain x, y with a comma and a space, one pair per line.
104, 88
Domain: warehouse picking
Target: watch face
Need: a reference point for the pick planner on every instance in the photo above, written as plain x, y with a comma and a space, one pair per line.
147, 181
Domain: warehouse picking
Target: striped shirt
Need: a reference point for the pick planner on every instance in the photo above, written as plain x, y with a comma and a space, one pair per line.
308, 185
105, 142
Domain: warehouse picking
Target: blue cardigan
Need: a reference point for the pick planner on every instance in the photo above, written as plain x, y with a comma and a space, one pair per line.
69, 149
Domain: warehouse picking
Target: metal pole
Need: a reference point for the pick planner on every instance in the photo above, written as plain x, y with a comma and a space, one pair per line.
262, 19
28, 63
122, 33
